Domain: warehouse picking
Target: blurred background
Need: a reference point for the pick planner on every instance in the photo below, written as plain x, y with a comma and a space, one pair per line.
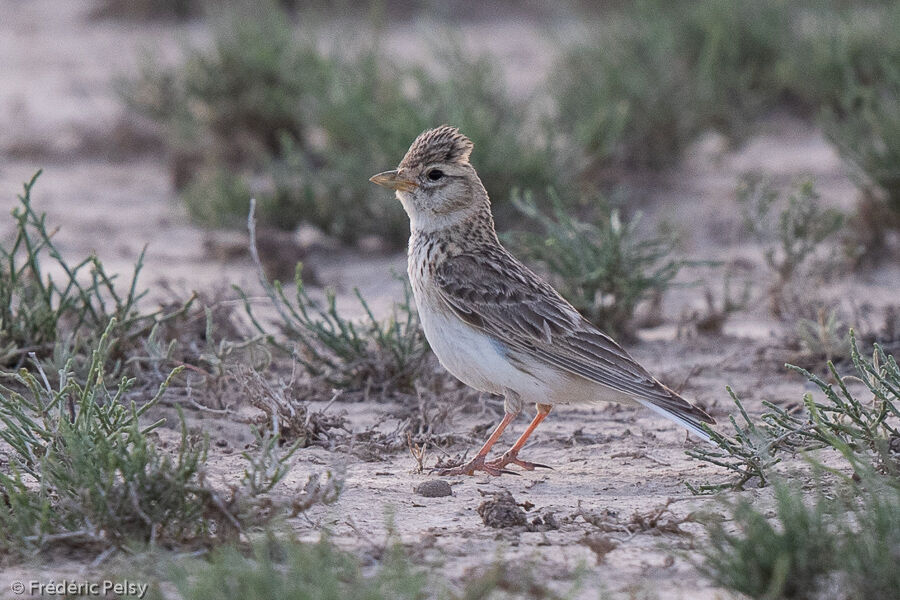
711, 141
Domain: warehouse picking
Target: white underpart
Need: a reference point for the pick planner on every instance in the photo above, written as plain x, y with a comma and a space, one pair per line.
480, 362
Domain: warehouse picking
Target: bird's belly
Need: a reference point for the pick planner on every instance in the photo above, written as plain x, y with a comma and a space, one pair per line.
480, 361
469, 355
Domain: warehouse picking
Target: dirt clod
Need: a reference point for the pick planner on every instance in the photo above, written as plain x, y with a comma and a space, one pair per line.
601, 545
436, 488
545, 522
502, 511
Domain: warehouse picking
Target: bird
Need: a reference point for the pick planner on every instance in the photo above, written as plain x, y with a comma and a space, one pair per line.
491, 321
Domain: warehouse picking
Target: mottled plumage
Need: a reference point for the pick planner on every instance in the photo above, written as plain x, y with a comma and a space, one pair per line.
491, 321
443, 144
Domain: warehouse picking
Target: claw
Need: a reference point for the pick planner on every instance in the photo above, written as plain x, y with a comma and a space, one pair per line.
512, 458
476, 464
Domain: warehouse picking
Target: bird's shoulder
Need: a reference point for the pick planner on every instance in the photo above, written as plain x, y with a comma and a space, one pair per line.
489, 286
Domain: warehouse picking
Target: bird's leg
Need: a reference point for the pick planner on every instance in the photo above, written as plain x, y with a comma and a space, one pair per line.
478, 463
511, 456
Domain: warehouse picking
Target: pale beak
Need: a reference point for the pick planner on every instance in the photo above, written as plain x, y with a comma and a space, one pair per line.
394, 181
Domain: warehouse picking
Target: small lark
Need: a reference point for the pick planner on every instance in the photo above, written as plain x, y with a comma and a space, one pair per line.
493, 323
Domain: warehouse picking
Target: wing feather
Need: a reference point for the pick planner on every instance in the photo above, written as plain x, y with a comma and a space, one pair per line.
497, 294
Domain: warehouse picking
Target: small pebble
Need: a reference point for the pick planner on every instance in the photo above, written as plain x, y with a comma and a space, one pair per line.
436, 488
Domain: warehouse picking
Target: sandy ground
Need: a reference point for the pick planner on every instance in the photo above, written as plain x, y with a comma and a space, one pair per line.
56, 90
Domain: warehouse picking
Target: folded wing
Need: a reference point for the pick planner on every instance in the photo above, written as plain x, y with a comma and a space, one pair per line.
503, 298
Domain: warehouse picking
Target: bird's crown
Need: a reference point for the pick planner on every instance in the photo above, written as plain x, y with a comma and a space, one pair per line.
442, 144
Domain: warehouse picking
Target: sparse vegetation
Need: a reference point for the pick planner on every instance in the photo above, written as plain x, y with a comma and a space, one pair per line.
267, 112
66, 312
865, 128
864, 433
278, 569
623, 100
837, 44
604, 268
369, 356
627, 101
291, 569
711, 321
750, 453
657, 74
841, 547
140, 10
297, 104
841, 543
825, 338
84, 470
791, 230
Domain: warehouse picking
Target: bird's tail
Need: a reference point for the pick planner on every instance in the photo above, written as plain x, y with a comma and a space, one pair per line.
677, 409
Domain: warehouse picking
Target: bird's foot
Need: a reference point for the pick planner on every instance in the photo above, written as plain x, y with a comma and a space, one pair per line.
512, 458
476, 464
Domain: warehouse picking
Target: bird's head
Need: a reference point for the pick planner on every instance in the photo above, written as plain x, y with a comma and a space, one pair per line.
435, 182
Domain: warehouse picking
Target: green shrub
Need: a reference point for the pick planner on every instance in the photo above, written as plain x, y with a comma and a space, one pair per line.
65, 313
865, 128
266, 112
623, 99
141, 10
834, 547
84, 471
749, 454
738, 54
656, 73
605, 269
643, 89
280, 570
791, 230
370, 355
836, 45
864, 432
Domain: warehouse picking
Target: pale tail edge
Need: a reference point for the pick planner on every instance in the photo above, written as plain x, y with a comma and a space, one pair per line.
692, 426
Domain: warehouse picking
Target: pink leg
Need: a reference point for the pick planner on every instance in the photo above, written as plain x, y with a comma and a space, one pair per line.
511, 455
477, 463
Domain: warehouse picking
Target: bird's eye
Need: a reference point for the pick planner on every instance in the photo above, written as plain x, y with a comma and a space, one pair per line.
435, 174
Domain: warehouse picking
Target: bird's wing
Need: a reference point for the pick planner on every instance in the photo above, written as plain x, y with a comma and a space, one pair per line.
500, 296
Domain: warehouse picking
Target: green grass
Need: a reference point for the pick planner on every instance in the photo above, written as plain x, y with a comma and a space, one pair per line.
370, 355
267, 112
841, 545
862, 430
605, 268
281, 570
792, 230
54, 307
865, 128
